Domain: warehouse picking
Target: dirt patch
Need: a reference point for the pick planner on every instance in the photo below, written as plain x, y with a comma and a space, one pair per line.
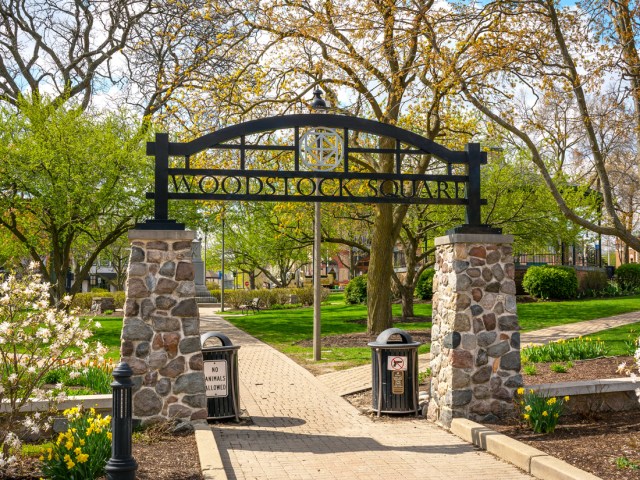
581, 370
418, 319
361, 339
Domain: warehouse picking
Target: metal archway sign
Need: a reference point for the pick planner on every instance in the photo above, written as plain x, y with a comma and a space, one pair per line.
338, 177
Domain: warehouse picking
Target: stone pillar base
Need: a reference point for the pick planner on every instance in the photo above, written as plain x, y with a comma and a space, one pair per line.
161, 328
475, 343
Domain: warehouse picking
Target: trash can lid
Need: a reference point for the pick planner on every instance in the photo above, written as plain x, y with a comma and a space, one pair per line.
226, 342
383, 339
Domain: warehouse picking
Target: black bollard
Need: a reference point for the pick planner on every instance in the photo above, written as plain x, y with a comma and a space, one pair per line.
121, 465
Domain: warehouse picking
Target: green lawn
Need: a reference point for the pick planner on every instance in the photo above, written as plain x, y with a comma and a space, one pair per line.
619, 340
283, 328
534, 316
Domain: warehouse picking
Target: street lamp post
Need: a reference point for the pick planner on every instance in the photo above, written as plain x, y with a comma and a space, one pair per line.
317, 104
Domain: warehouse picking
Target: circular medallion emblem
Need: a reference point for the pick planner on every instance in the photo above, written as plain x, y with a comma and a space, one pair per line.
321, 149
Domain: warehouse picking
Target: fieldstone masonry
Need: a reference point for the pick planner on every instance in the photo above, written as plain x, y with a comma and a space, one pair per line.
160, 335
475, 339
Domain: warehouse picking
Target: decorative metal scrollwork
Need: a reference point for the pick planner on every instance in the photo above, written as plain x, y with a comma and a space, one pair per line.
321, 149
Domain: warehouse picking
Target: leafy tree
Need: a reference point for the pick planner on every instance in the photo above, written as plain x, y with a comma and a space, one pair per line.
64, 177
563, 84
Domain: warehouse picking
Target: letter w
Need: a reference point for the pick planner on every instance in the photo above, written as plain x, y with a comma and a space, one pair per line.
181, 181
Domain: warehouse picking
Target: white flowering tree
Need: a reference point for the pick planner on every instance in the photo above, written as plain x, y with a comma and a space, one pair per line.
34, 338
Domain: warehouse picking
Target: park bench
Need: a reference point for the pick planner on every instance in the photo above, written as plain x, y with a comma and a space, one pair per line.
253, 306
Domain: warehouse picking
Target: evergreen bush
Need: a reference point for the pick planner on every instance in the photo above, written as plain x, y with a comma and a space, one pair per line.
551, 281
356, 290
424, 287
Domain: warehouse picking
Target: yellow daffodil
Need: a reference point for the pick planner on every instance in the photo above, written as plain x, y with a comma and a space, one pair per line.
566, 398
82, 458
70, 464
521, 391
545, 414
551, 401
526, 416
528, 408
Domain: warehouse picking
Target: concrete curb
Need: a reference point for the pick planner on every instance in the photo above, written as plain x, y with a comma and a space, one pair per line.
210, 460
529, 459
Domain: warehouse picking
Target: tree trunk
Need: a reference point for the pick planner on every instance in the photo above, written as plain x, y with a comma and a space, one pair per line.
407, 301
380, 271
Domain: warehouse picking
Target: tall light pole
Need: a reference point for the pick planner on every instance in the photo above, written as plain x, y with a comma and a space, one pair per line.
222, 272
318, 104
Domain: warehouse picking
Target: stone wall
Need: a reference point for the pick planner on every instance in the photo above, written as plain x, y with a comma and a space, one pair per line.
160, 335
475, 347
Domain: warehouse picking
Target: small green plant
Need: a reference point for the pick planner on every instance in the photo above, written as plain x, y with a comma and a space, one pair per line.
565, 350
558, 368
424, 286
631, 343
108, 312
82, 451
423, 376
530, 369
551, 281
539, 412
624, 462
356, 290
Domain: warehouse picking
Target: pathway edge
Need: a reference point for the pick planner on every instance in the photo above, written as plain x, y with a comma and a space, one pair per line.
211, 464
533, 461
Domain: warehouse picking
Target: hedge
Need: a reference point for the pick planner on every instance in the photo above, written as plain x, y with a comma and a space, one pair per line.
82, 301
269, 296
551, 281
628, 276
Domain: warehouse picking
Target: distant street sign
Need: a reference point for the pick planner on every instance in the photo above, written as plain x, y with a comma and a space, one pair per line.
246, 284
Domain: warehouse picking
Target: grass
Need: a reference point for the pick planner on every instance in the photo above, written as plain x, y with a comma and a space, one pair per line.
284, 328
534, 316
619, 340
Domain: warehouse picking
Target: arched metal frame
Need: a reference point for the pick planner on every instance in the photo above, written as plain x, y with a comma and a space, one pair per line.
162, 149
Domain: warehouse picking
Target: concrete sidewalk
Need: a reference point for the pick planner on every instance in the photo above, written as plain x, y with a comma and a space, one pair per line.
300, 429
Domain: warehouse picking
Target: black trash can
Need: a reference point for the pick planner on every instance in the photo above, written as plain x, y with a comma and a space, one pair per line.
395, 372
221, 377
611, 270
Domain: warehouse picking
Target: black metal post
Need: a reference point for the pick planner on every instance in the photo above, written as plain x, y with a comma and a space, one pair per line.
474, 157
121, 465
161, 199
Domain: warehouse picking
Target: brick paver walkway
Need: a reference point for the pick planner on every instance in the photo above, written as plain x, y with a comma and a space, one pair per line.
357, 379
302, 430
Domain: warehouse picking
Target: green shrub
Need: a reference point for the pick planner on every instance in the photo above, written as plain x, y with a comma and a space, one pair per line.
593, 283
99, 290
424, 287
118, 298
565, 350
356, 290
628, 276
82, 301
551, 281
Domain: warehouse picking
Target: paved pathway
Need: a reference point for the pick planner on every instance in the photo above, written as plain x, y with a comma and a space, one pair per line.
302, 430
357, 379
573, 330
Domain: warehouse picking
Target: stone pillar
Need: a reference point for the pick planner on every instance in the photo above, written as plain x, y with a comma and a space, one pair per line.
475, 343
160, 334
